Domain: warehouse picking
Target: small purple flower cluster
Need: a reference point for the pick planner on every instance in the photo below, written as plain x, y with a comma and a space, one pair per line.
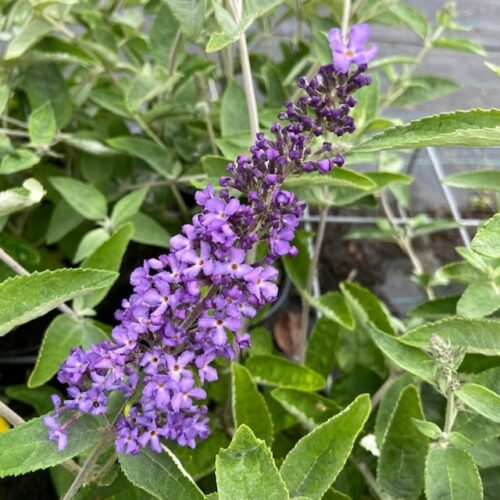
189, 306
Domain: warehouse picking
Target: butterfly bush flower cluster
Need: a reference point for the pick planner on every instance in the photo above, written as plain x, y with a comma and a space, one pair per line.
189, 307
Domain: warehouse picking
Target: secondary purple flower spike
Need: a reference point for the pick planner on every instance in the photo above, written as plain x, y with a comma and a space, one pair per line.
188, 307
355, 51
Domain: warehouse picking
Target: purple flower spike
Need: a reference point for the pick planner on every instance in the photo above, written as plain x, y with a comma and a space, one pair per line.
189, 307
354, 52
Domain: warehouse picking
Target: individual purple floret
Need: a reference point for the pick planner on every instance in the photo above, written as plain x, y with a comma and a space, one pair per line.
354, 51
188, 307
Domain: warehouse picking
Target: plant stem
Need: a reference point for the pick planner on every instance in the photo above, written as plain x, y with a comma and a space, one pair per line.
236, 8
346, 15
18, 269
14, 419
87, 466
368, 477
404, 242
304, 323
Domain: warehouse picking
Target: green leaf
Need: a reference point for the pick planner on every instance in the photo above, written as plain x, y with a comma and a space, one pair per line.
32, 32
333, 306
480, 179
412, 17
42, 125
64, 219
189, 14
232, 120
451, 474
163, 34
487, 239
63, 334
15, 199
22, 160
90, 243
126, 207
27, 448
460, 44
83, 197
149, 232
23, 298
262, 342
479, 300
336, 177
316, 460
400, 470
480, 336
108, 256
373, 309
200, 461
436, 308
428, 429
45, 82
155, 156
276, 371
309, 408
246, 470
86, 142
297, 268
160, 474
249, 406
475, 127
387, 405
424, 88
39, 398
409, 358
320, 353
481, 399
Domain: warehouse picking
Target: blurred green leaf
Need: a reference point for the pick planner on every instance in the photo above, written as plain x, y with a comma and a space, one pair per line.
63, 334
90, 243
84, 198
487, 239
149, 232
128, 206
21, 160
460, 44
33, 31
280, 372
15, 199
42, 125
480, 179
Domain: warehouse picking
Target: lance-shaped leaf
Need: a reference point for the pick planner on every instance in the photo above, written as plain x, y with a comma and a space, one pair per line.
27, 448
410, 358
479, 336
23, 298
249, 406
401, 464
487, 239
27, 37
277, 371
450, 474
84, 198
246, 470
64, 333
314, 463
40, 398
108, 256
481, 179
481, 399
15, 199
160, 474
320, 354
310, 409
475, 127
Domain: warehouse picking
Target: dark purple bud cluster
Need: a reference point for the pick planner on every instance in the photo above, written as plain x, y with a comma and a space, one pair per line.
189, 306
